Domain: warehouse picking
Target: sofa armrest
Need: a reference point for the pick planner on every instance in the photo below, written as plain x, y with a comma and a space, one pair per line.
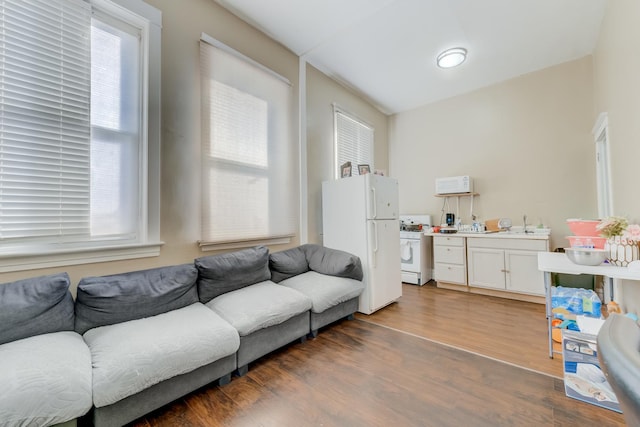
35, 306
618, 351
333, 262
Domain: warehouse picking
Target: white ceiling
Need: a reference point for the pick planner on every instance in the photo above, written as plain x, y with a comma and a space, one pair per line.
386, 49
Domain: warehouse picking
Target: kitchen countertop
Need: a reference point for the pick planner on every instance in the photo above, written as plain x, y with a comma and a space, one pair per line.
559, 263
495, 235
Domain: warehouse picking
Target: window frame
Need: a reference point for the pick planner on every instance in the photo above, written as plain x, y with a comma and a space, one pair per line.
148, 244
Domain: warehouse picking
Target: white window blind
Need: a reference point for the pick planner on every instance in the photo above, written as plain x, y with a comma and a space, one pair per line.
353, 141
74, 124
249, 184
44, 119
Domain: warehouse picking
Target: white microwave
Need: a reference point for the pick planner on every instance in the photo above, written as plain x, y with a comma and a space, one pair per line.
454, 184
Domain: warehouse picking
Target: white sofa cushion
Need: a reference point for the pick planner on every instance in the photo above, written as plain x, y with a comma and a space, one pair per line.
325, 291
44, 379
259, 306
132, 356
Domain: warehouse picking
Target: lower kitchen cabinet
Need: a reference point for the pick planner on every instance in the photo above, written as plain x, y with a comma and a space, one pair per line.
449, 259
506, 264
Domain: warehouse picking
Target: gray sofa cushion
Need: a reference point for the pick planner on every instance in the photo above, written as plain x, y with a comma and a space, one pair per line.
288, 263
228, 272
118, 298
35, 306
298, 260
259, 306
325, 291
45, 380
333, 262
132, 356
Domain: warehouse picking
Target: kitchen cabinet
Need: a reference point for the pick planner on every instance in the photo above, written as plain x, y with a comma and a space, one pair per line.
450, 259
498, 264
507, 265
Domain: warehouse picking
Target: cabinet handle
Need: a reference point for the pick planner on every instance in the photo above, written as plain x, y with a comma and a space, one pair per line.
504, 271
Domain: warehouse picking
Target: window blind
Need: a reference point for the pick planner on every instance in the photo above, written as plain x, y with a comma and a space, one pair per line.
44, 120
249, 183
353, 141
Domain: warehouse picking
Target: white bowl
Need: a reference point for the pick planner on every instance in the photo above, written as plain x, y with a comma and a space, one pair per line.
586, 256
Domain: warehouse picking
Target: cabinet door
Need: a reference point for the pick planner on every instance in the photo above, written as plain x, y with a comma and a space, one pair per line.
522, 272
486, 268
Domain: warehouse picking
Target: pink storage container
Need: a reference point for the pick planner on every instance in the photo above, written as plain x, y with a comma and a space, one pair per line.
584, 241
584, 227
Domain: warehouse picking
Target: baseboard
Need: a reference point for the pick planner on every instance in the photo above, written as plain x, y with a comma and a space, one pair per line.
492, 292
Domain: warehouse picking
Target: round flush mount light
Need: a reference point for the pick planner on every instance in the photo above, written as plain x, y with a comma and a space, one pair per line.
452, 57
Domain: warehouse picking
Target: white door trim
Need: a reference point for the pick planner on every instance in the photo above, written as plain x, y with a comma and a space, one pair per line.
600, 133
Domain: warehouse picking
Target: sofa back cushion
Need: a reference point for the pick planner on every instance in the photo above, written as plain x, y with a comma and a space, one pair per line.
108, 300
288, 263
333, 262
35, 306
219, 274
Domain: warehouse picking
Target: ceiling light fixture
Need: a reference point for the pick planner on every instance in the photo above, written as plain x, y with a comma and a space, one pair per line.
452, 57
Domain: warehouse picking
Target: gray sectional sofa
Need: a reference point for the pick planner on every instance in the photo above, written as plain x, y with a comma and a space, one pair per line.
151, 340
45, 367
133, 342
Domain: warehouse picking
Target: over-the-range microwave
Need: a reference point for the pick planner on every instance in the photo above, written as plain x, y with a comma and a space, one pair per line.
454, 184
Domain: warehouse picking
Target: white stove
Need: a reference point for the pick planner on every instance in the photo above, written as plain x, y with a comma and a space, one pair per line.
415, 250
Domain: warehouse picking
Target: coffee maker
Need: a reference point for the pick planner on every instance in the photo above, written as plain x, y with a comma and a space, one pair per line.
450, 228
451, 219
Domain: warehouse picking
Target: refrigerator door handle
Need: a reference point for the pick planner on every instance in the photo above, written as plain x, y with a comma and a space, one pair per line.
375, 203
375, 244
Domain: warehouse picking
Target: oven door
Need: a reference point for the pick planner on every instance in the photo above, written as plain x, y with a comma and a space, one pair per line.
410, 255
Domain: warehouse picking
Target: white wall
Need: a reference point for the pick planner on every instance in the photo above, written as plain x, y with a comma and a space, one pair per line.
526, 142
617, 92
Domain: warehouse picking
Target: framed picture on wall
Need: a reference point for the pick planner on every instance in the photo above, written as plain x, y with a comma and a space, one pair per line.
345, 170
364, 169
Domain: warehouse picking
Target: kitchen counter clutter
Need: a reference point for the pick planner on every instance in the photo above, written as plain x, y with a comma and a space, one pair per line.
503, 264
543, 235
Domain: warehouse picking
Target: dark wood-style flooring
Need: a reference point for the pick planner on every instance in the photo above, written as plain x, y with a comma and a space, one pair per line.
387, 369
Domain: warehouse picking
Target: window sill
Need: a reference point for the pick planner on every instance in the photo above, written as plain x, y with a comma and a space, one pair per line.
78, 256
215, 246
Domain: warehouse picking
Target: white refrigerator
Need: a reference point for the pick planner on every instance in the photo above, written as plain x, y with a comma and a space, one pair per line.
360, 216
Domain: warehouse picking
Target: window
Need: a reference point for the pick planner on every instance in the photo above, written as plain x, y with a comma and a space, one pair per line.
249, 181
353, 141
75, 131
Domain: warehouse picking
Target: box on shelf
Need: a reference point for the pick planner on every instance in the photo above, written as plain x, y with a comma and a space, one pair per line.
583, 378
